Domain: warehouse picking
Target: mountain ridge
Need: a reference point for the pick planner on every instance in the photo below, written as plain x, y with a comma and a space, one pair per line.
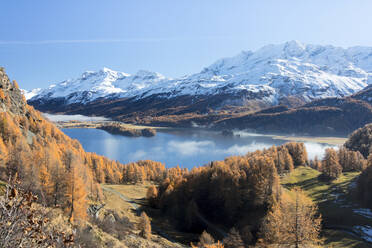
275, 68
289, 74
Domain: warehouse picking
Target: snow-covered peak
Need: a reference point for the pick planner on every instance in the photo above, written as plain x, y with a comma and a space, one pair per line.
273, 72
103, 83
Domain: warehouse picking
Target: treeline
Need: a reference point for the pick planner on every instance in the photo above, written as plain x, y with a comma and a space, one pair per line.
361, 140
236, 192
336, 162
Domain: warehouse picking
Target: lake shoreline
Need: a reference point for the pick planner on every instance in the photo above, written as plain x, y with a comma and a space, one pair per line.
330, 140
92, 123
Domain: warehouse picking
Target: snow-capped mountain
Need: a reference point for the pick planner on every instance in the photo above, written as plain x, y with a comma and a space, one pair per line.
104, 83
267, 75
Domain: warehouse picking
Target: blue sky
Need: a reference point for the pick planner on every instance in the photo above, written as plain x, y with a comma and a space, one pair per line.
43, 41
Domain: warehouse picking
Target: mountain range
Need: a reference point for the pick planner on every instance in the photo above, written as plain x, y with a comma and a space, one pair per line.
291, 74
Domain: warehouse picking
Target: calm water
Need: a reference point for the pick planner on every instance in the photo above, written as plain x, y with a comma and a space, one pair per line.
187, 148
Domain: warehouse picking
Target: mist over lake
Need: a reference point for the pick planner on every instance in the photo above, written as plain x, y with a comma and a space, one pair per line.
187, 148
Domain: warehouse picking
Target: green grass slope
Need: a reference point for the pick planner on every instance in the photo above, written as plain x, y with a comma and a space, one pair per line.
335, 201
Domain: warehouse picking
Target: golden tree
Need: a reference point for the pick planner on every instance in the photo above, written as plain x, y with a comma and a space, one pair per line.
145, 226
76, 194
152, 192
298, 153
351, 160
331, 167
59, 182
45, 181
151, 195
3, 152
2, 96
293, 220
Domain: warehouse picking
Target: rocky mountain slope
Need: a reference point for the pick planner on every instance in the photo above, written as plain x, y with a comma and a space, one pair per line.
291, 73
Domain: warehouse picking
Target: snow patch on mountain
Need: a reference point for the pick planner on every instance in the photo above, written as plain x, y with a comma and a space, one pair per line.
31, 93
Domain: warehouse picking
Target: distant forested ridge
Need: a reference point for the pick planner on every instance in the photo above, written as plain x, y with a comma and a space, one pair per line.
333, 116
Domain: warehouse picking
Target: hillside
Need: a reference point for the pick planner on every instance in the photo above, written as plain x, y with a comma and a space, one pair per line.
291, 74
334, 199
62, 181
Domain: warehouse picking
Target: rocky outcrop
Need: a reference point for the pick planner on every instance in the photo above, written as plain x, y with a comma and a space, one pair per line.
11, 97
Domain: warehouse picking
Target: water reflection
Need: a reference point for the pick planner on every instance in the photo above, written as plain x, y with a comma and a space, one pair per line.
186, 148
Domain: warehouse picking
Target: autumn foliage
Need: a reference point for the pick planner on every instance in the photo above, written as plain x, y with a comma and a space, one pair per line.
292, 221
331, 167
361, 140
145, 226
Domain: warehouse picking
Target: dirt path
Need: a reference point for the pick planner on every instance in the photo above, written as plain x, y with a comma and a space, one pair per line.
124, 198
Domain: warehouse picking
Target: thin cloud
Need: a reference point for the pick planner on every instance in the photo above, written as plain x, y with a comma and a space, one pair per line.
126, 40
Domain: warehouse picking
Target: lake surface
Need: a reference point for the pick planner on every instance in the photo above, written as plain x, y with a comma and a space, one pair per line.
187, 148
